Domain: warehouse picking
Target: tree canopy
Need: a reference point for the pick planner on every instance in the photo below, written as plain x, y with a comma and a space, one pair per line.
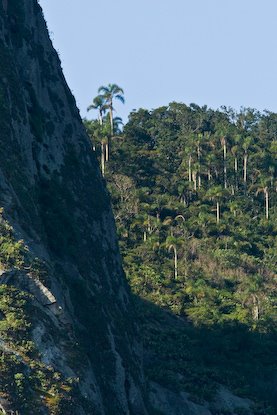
194, 197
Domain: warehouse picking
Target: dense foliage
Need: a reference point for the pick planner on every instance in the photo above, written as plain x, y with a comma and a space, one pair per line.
25, 380
194, 197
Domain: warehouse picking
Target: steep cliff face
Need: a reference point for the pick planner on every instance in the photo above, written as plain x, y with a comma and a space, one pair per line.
67, 332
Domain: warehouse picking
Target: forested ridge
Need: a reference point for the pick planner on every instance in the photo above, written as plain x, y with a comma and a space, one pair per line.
194, 197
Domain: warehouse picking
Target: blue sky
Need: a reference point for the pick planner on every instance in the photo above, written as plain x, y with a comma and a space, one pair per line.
214, 52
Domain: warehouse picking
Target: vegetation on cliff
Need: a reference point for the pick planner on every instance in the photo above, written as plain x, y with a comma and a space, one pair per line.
194, 197
25, 383
65, 332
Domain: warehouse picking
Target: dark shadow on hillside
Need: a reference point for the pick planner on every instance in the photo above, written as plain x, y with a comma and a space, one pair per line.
180, 356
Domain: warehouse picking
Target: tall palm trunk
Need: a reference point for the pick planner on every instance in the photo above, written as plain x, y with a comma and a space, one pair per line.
190, 176
175, 263
216, 172
100, 118
217, 212
225, 162
199, 180
209, 174
111, 117
266, 193
245, 170
148, 225
194, 179
236, 172
256, 308
174, 248
144, 236
112, 131
107, 152
199, 165
103, 158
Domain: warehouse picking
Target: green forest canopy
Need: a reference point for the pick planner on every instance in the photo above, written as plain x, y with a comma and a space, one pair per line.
194, 197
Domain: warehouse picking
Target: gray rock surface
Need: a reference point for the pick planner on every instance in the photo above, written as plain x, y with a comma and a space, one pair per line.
55, 200
179, 403
168, 402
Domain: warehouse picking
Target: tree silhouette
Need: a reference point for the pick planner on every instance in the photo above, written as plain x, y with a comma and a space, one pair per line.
109, 94
99, 103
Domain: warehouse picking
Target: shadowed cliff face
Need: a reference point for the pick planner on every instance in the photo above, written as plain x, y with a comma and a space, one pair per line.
67, 330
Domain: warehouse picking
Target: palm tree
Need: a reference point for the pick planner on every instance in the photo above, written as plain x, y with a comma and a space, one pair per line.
224, 145
189, 168
209, 162
234, 207
215, 193
194, 179
117, 121
246, 144
200, 139
189, 154
251, 293
99, 103
235, 152
148, 224
264, 188
109, 94
180, 229
171, 244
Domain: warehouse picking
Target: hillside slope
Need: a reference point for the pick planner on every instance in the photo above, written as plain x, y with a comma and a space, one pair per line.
194, 197
68, 341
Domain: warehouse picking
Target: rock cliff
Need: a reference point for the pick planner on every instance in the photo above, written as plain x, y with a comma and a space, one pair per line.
68, 339
69, 343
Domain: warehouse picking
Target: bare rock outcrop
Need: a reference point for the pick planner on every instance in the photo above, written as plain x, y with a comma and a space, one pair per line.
76, 302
